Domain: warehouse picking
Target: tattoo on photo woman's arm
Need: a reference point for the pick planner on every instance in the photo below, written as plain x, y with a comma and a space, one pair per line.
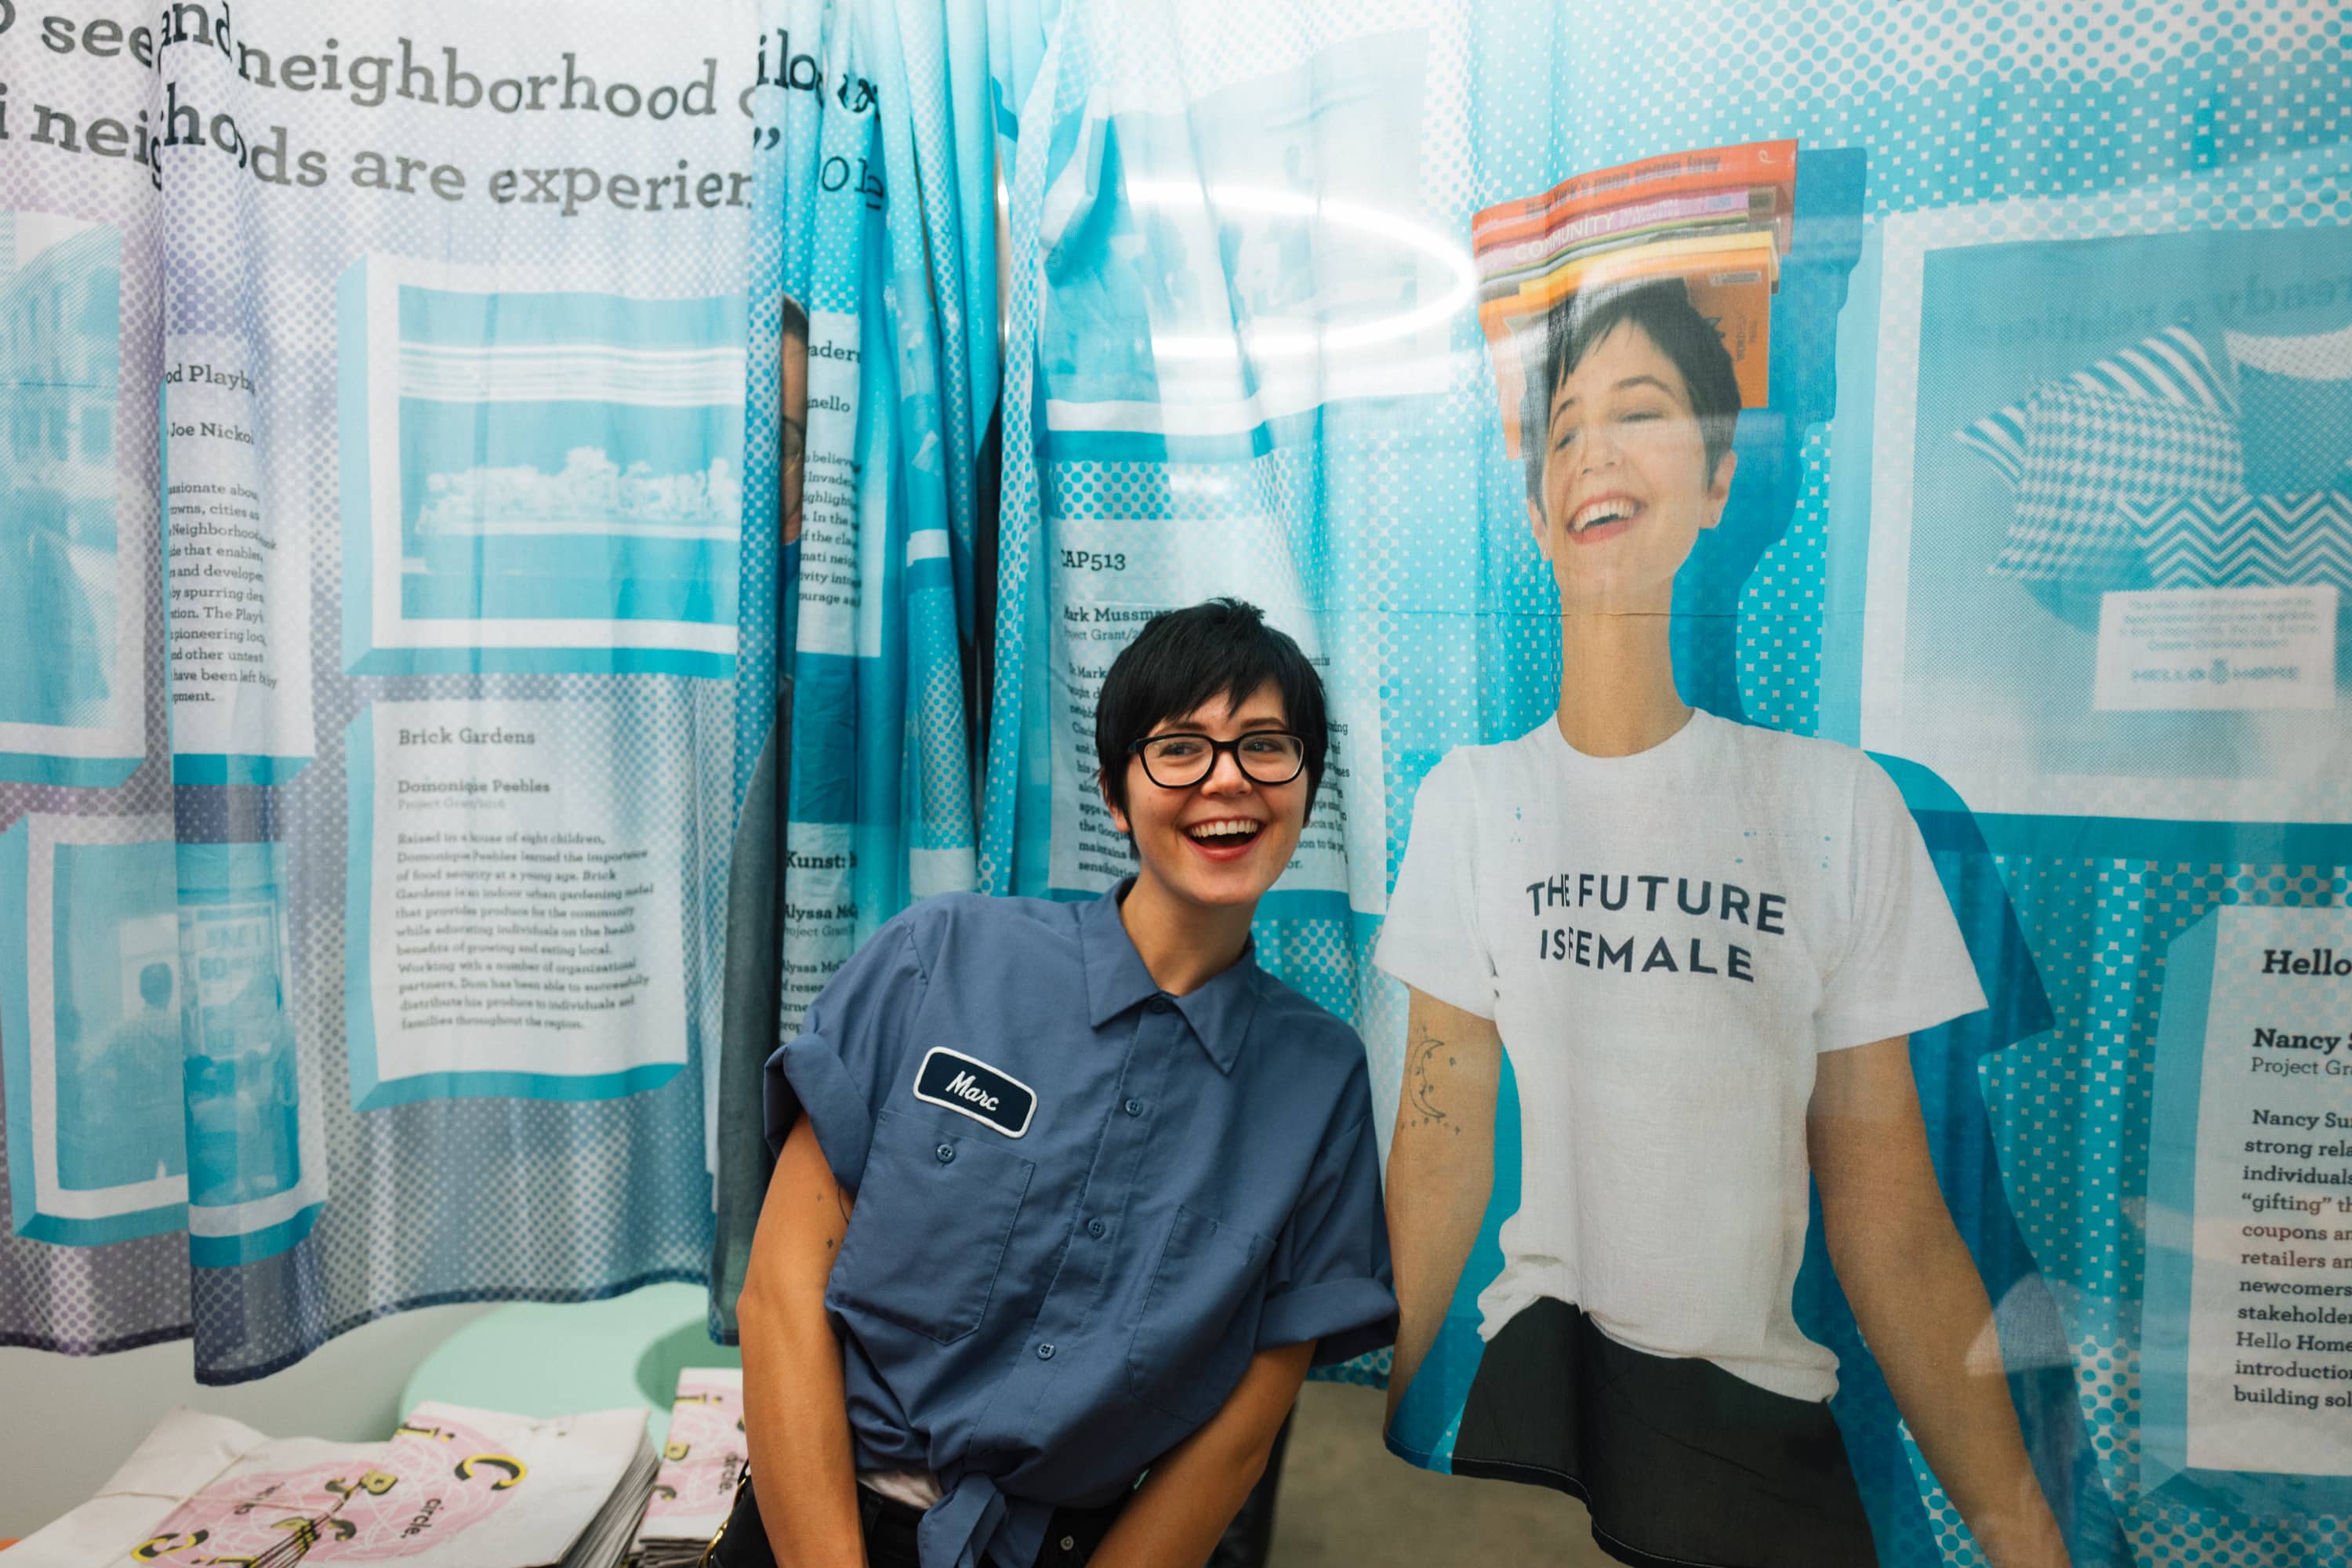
1420, 1082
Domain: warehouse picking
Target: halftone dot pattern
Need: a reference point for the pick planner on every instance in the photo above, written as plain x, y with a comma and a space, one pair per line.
1322, 961
583, 1196
1266, 515
877, 766
1121, 490
941, 765
2106, 1380
1955, 104
1957, 1545
1314, 958
1367, 1371
2171, 1534
1377, 1005
1780, 609
2107, 1376
2070, 1114
835, 251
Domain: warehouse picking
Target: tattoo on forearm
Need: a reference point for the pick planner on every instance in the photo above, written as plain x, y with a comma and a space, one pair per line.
1421, 1087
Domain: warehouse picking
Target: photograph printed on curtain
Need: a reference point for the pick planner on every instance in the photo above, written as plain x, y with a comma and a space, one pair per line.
71, 705
1701, 948
1798, 1154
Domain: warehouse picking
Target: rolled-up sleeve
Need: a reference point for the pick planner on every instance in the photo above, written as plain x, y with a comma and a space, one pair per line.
1330, 1280
841, 1065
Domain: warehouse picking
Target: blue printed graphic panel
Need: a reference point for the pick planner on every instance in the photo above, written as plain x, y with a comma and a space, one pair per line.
2085, 398
97, 1151
256, 1183
539, 481
68, 684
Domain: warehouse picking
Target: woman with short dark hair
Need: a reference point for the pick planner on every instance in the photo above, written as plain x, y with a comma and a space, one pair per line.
1704, 946
1070, 1193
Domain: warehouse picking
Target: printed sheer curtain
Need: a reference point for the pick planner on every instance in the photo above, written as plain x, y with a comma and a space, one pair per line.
418, 420
530, 534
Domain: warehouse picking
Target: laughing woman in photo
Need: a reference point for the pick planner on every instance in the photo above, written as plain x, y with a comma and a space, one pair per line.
1704, 945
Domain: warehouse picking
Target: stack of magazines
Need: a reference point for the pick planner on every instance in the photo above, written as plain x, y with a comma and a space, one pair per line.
701, 1464
1719, 220
453, 1489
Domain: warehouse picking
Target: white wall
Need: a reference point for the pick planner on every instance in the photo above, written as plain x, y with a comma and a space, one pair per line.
90, 1412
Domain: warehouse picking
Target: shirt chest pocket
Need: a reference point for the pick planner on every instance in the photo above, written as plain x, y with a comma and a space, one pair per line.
1198, 1323
928, 1237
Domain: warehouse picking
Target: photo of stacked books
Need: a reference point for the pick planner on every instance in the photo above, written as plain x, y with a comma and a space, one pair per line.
1719, 219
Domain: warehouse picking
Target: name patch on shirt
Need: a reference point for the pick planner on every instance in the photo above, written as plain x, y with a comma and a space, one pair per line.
972, 1087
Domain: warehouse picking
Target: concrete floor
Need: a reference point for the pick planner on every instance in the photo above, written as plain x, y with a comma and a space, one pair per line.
1347, 1501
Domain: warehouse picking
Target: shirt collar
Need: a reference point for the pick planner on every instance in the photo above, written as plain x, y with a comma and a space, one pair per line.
1219, 1012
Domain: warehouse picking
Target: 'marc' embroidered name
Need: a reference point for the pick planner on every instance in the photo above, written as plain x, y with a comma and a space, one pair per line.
970, 1087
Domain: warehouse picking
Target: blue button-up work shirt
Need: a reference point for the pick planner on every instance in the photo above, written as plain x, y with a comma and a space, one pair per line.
1082, 1204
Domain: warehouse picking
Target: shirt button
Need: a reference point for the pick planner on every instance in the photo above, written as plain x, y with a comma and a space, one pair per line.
946, 1153
1133, 1107
1160, 1004
1096, 1229
1069, 1544
1044, 1353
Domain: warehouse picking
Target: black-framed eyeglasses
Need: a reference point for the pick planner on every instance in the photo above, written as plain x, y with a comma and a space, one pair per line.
1182, 760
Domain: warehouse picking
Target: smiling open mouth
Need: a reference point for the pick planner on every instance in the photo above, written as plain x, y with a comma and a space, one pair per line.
1601, 512
1225, 833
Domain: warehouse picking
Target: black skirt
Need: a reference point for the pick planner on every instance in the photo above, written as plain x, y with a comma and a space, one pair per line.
1682, 1464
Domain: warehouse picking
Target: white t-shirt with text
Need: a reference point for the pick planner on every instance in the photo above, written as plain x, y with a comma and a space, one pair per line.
1665, 942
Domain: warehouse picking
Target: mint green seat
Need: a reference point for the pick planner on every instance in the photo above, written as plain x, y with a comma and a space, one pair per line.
538, 1359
